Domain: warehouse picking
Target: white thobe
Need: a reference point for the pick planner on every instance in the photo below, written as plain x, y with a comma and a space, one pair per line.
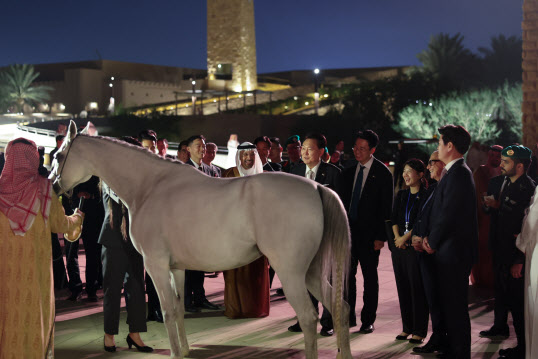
527, 242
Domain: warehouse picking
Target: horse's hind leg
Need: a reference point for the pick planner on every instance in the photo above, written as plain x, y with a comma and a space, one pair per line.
179, 283
169, 302
297, 295
313, 283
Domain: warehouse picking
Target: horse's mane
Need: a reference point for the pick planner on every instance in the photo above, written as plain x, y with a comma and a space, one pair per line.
147, 153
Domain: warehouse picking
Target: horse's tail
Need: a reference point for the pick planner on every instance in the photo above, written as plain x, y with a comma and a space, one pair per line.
335, 251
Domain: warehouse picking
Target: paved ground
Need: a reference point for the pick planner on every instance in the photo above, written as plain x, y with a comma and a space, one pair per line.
79, 329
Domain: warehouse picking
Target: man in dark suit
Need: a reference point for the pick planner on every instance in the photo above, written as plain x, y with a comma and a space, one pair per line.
367, 195
293, 146
328, 175
453, 238
263, 146
209, 156
194, 280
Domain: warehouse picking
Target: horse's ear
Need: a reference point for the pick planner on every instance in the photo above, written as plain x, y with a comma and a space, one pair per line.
72, 132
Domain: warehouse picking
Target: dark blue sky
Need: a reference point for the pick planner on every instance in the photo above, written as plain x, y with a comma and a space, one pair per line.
290, 34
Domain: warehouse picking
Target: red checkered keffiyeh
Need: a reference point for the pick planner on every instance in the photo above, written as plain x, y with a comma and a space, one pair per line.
23, 192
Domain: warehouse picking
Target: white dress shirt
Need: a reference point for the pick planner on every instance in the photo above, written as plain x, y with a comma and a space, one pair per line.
314, 171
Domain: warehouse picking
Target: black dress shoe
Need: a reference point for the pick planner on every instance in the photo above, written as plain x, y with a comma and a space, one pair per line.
110, 349
326, 332
280, 291
206, 304
367, 329
430, 347
93, 298
155, 316
416, 341
75, 296
402, 337
513, 353
295, 328
192, 309
140, 348
495, 332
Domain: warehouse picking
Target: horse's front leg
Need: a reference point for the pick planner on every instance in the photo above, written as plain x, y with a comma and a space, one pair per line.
160, 273
179, 283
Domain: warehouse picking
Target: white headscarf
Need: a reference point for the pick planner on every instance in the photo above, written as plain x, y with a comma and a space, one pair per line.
257, 168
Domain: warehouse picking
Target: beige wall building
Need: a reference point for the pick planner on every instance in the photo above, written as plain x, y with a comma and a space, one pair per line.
90, 85
231, 45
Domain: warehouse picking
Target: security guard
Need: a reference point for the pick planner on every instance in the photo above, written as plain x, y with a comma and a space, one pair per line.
508, 197
293, 146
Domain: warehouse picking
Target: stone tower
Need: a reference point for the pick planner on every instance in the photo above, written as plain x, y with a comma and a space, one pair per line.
231, 45
530, 73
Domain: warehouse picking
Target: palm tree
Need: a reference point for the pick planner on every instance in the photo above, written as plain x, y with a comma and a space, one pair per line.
502, 61
16, 87
448, 62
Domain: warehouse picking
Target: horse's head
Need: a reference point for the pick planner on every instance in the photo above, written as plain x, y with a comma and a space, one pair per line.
67, 171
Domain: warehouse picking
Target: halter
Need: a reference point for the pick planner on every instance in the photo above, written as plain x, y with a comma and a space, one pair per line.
57, 186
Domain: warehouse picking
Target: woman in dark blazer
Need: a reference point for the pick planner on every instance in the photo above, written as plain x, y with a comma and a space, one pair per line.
123, 268
413, 304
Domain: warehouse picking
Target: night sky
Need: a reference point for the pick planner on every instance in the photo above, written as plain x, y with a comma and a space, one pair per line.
290, 34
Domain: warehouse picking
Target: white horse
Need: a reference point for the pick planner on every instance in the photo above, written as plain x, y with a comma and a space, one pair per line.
168, 205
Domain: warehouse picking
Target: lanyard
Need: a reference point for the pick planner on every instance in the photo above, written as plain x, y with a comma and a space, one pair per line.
408, 212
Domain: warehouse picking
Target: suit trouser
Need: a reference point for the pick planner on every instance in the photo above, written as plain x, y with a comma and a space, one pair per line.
123, 268
427, 270
510, 296
58, 267
92, 249
500, 310
369, 260
154, 305
194, 287
71, 263
453, 279
413, 303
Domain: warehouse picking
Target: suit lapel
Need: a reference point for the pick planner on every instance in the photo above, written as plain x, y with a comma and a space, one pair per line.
321, 174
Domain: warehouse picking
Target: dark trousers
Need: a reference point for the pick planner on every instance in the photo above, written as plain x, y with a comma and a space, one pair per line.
453, 279
369, 260
194, 287
427, 270
326, 320
154, 305
92, 250
123, 268
58, 267
509, 296
71, 263
413, 303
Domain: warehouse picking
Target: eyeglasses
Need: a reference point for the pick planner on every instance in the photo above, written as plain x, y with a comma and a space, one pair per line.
432, 162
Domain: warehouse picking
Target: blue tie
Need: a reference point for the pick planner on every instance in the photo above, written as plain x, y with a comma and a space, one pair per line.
354, 207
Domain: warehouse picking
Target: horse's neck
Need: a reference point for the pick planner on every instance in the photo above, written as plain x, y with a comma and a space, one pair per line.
130, 173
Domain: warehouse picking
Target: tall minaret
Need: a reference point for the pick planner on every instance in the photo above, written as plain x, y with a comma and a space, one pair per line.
231, 45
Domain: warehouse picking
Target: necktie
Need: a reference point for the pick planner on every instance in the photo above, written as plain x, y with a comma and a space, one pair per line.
310, 174
353, 208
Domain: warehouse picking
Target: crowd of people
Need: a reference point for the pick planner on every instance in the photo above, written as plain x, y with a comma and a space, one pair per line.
445, 225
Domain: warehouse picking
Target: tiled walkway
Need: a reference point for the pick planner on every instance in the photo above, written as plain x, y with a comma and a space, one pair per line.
79, 329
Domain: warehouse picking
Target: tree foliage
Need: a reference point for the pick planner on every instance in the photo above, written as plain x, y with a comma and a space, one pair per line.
488, 115
16, 87
502, 61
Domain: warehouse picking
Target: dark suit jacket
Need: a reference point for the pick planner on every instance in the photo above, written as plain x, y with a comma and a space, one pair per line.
453, 221
111, 232
506, 221
205, 168
375, 204
272, 167
327, 174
